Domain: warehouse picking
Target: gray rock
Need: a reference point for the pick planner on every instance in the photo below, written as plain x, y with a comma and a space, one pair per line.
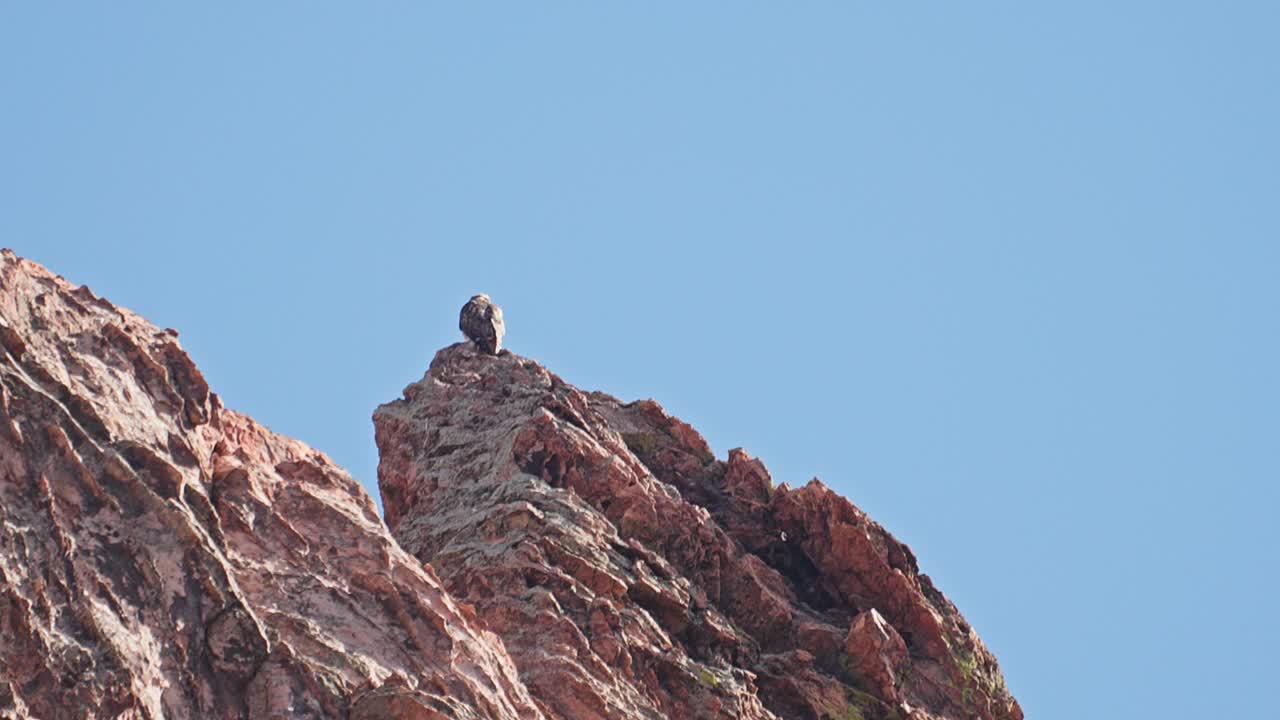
481, 322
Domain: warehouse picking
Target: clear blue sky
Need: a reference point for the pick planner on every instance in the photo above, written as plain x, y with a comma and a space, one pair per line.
1004, 273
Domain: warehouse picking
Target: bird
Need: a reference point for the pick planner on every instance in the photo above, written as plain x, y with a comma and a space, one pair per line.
481, 321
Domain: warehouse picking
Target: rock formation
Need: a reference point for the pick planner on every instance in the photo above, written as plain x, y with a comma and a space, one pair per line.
481, 321
631, 574
551, 554
163, 557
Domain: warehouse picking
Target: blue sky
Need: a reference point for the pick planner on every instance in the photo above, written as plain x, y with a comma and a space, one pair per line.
1003, 273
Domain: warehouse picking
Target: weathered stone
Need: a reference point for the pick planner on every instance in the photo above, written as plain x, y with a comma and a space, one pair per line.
876, 653
236, 644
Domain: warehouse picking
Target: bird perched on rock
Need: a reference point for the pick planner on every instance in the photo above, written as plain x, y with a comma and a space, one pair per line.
481, 322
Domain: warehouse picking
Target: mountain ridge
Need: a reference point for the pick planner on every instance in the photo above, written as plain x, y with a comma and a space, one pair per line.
545, 553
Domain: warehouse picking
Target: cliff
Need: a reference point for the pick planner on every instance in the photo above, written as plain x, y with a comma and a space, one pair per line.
547, 553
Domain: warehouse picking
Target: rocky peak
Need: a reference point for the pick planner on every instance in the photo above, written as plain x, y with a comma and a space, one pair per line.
550, 554
631, 574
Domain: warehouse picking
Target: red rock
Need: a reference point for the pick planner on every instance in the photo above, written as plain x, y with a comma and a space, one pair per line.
162, 557
877, 654
724, 596
551, 554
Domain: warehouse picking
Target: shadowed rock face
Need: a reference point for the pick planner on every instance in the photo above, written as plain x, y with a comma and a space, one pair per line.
632, 574
163, 557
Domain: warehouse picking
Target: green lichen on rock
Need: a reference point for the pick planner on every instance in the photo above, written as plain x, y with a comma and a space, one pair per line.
848, 712
642, 444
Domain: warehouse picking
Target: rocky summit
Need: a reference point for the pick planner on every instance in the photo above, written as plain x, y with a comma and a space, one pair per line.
631, 574
546, 553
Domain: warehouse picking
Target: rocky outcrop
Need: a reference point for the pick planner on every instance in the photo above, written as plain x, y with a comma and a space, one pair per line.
163, 557
551, 554
877, 653
632, 574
